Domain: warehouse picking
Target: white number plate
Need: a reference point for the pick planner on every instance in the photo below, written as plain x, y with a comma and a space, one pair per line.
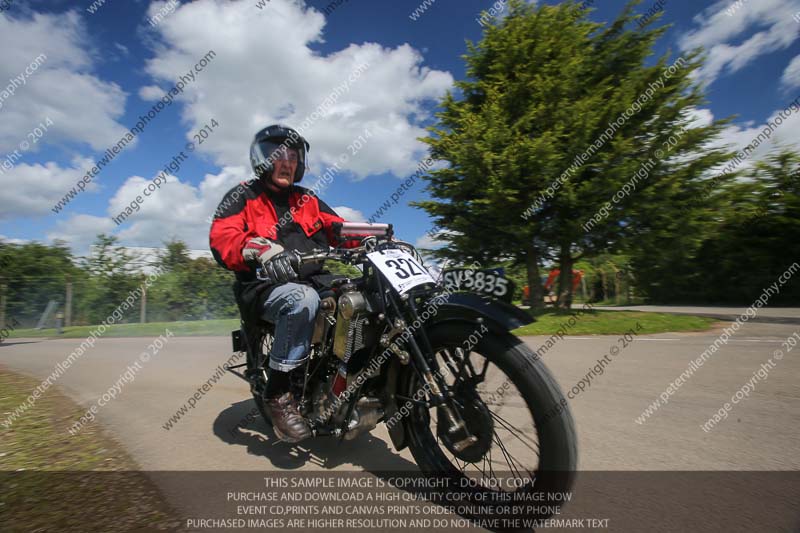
401, 269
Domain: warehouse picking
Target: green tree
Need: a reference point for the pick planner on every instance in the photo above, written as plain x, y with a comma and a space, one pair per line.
34, 274
170, 298
109, 276
175, 256
190, 289
215, 290
755, 239
532, 156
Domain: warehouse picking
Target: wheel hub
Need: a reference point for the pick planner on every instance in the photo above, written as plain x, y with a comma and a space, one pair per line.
478, 421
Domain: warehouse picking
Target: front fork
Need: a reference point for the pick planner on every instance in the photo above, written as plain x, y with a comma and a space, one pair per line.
441, 395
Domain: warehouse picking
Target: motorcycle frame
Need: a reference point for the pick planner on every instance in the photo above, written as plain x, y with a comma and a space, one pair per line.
499, 316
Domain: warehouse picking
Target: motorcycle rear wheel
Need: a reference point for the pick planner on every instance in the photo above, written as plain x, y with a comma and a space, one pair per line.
257, 357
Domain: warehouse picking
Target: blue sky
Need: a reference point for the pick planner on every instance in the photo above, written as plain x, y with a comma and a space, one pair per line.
278, 63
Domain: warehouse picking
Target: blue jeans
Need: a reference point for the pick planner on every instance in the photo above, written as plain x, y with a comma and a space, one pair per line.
292, 308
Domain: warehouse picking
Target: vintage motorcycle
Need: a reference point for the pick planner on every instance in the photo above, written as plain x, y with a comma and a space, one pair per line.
440, 368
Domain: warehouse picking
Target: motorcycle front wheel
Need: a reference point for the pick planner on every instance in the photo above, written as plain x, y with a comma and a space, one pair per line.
525, 441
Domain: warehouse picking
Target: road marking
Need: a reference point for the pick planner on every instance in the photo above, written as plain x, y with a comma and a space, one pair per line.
600, 336
767, 341
733, 341
699, 341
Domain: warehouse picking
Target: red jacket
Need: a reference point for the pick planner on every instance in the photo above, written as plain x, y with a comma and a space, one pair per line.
246, 212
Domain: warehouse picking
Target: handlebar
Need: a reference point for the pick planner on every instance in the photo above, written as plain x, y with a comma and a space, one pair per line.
316, 257
369, 233
364, 229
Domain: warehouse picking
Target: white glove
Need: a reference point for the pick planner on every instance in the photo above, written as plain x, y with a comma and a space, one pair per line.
279, 266
261, 250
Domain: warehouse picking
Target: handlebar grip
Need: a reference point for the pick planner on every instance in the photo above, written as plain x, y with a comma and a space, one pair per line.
313, 257
361, 229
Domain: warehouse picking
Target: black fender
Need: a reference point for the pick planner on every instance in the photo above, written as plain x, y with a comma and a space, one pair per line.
500, 317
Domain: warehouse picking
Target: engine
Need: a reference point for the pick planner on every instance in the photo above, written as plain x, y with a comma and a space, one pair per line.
355, 336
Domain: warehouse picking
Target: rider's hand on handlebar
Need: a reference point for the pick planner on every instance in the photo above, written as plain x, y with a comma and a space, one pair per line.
283, 268
279, 265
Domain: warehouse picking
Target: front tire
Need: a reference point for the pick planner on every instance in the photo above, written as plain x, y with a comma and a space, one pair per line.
529, 415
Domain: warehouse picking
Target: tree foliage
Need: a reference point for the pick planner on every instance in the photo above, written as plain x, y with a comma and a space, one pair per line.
34, 274
185, 289
753, 239
543, 87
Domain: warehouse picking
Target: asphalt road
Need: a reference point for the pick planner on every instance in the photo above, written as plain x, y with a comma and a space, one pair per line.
761, 432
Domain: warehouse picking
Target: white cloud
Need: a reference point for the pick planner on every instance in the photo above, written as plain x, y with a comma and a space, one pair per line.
151, 93
178, 210
80, 231
11, 240
433, 241
266, 72
428, 242
181, 210
700, 118
785, 135
32, 190
350, 214
718, 29
791, 76
82, 107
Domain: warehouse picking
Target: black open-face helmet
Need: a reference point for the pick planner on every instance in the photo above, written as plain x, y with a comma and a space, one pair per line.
267, 141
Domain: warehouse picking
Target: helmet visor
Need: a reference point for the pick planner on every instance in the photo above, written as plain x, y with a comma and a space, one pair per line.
271, 152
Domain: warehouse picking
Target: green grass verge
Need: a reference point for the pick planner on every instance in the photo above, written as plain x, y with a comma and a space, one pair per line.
613, 323
53, 481
597, 322
154, 329
593, 323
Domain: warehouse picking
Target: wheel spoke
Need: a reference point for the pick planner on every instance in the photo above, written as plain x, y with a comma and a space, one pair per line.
491, 468
487, 460
506, 455
510, 458
471, 383
483, 466
508, 427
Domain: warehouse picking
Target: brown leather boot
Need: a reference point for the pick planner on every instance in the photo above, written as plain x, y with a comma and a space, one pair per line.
287, 422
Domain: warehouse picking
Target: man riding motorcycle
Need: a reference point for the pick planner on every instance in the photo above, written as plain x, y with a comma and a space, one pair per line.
265, 223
